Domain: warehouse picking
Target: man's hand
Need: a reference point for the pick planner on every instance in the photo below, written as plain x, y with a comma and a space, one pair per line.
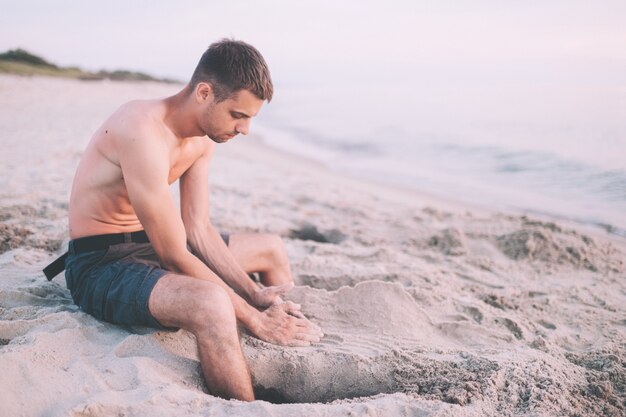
268, 296
284, 324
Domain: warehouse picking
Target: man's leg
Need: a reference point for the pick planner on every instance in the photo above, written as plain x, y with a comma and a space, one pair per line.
204, 309
264, 253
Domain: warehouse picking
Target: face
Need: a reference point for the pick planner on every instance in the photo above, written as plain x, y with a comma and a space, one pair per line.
224, 120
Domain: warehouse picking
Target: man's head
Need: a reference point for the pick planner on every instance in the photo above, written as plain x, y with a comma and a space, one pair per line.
230, 66
232, 80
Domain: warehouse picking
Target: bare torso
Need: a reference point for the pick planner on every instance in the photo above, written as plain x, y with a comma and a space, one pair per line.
99, 201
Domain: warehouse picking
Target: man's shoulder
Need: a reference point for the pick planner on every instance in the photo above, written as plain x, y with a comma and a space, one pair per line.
137, 117
134, 127
141, 106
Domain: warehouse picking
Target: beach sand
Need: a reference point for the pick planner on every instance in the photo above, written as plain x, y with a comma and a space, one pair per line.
429, 307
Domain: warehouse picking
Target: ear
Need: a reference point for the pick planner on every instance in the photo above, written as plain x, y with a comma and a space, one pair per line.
204, 92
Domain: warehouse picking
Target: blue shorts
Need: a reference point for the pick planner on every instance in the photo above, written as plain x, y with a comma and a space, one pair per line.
115, 284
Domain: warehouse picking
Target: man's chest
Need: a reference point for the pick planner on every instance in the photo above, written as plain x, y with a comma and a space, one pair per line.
183, 157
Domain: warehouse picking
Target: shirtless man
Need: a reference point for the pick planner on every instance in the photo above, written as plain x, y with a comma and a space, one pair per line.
180, 273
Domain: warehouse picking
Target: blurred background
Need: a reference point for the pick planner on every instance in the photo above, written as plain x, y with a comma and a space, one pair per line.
514, 105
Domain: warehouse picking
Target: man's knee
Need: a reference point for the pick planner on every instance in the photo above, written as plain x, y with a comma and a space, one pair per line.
276, 249
211, 308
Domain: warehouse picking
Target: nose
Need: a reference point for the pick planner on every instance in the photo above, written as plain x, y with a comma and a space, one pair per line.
243, 127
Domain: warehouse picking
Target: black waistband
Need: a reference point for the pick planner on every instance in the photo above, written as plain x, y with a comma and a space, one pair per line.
92, 243
99, 242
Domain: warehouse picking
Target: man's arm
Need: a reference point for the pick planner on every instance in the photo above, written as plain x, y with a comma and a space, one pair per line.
145, 166
205, 241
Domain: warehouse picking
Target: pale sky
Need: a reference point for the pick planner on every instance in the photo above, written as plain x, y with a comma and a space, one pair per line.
582, 41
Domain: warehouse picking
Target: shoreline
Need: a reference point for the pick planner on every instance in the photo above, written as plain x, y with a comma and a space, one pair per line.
547, 215
255, 143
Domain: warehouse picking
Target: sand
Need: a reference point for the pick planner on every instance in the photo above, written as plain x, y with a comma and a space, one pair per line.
430, 307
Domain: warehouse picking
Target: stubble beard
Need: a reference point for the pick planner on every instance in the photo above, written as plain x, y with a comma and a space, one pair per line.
217, 140
222, 138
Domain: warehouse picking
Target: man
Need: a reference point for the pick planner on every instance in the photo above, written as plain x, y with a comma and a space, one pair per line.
180, 273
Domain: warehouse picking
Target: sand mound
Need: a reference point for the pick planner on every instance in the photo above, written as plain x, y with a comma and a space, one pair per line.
451, 241
25, 225
12, 237
551, 245
605, 372
358, 355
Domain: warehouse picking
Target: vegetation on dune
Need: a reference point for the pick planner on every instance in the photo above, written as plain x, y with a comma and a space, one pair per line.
21, 62
20, 55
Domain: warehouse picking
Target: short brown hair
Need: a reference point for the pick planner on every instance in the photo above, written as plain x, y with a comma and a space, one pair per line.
230, 66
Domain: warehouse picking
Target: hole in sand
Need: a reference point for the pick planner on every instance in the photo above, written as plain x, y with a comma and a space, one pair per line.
274, 396
460, 381
270, 395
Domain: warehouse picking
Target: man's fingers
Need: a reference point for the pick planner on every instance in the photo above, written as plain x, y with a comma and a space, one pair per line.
304, 339
306, 326
293, 310
313, 338
306, 323
303, 322
291, 307
297, 314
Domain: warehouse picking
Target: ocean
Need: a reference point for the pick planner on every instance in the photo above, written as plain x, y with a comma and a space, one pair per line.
558, 153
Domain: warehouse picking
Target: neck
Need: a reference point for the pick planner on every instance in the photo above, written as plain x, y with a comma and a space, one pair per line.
179, 115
